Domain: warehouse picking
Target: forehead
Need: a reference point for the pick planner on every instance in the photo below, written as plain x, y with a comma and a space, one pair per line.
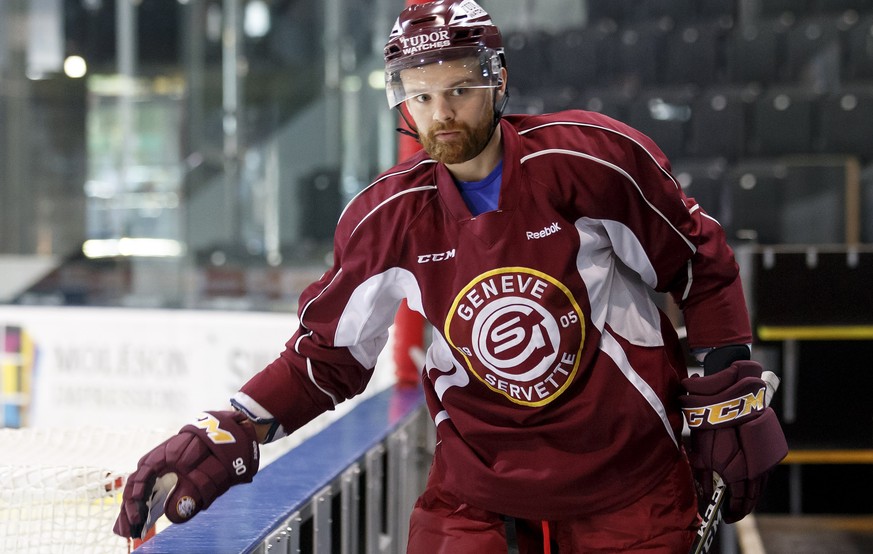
443, 74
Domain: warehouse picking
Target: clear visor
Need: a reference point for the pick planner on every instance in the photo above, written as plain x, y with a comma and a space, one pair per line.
446, 69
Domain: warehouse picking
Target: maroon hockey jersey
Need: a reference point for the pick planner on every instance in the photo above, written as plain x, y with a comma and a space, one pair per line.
552, 376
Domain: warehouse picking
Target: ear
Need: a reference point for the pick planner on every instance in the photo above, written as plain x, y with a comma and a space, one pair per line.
500, 92
501, 81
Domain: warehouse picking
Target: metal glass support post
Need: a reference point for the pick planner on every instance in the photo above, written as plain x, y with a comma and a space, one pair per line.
272, 205
15, 208
375, 495
332, 42
350, 509
231, 87
322, 520
126, 30
398, 454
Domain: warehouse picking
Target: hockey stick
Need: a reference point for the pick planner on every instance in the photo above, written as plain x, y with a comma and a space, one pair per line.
711, 519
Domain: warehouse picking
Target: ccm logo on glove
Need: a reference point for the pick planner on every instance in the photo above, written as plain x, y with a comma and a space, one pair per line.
721, 413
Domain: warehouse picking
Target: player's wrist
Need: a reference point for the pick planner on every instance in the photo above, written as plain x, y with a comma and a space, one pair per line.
266, 426
261, 430
722, 357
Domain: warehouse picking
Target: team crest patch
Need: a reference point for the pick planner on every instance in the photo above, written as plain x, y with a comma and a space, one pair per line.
185, 507
520, 332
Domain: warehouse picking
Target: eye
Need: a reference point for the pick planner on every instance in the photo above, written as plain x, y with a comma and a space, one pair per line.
421, 98
459, 91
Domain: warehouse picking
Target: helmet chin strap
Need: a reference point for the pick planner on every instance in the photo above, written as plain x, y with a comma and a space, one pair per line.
498, 111
412, 131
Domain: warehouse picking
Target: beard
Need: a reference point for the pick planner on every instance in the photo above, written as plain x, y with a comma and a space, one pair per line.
468, 145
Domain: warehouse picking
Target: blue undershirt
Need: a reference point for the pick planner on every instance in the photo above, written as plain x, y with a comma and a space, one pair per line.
482, 196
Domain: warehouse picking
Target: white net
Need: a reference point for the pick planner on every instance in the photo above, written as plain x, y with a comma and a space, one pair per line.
60, 489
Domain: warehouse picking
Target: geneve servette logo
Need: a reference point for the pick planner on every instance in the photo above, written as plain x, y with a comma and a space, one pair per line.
520, 333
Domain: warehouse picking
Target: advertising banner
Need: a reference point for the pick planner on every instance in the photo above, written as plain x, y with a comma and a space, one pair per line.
128, 368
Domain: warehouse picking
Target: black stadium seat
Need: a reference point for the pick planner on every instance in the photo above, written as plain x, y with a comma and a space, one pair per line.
694, 52
527, 60
846, 121
640, 51
703, 180
813, 52
859, 51
754, 192
783, 121
813, 209
755, 52
580, 57
720, 121
664, 114
613, 101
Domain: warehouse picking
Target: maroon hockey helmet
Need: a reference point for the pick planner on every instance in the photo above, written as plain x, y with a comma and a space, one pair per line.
439, 31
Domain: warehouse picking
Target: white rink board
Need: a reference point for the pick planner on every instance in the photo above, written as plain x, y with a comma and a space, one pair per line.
128, 368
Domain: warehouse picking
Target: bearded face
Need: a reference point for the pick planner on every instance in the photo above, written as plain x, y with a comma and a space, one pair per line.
452, 106
455, 142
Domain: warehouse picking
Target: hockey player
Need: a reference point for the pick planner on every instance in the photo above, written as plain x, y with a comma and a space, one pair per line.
557, 387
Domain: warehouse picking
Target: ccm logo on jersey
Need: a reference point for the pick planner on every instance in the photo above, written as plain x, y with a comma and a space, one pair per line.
441, 257
546, 231
727, 411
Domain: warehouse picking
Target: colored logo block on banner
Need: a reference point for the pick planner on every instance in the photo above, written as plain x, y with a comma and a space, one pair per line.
16, 375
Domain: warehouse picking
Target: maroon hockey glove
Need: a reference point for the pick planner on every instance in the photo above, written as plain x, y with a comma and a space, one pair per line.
734, 433
185, 473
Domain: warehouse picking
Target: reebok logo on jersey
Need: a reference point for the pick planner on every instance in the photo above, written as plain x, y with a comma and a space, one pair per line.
546, 231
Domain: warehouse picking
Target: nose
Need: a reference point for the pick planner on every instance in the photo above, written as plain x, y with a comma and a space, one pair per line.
443, 110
